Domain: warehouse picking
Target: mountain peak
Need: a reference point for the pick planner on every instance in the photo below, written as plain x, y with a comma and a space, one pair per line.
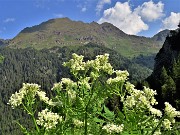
66, 32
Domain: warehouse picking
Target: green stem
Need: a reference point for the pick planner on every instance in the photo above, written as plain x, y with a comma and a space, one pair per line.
157, 125
32, 116
85, 130
34, 121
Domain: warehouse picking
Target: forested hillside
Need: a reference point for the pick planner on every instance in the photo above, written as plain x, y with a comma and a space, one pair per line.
45, 68
166, 74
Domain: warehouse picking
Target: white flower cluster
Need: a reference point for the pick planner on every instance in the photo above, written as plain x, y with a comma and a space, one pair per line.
155, 112
157, 132
112, 128
85, 83
57, 86
78, 123
170, 111
27, 89
99, 64
71, 94
167, 124
48, 119
141, 99
42, 96
69, 83
76, 63
121, 76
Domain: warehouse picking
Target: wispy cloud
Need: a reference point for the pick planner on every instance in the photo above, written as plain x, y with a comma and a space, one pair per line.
84, 9
84, 5
101, 4
59, 15
7, 20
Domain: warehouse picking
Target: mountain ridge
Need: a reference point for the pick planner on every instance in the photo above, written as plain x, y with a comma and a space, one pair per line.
65, 32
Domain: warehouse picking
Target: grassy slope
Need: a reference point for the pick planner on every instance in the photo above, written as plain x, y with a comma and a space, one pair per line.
64, 32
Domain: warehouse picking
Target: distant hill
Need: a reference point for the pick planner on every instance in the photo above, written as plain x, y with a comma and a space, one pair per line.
161, 36
3, 42
65, 32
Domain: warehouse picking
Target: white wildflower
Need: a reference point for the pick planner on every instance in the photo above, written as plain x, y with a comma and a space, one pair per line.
27, 89
112, 128
42, 96
157, 132
170, 111
57, 86
129, 87
68, 82
48, 119
130, 101
85, 83
149, 92
76, 63
78, 123
167, 124
71, 94
121, 76
16, 99
155, 111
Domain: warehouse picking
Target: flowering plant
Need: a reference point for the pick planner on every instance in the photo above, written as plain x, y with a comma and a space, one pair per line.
79, 104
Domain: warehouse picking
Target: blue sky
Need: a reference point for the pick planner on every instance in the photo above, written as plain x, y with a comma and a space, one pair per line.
137, 17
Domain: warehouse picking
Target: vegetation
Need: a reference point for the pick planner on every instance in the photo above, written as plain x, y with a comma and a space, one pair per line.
1, 58
78, 105
166, 77
44, 68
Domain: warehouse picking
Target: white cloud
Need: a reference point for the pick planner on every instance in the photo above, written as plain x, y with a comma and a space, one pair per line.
171, 22
58, 15
7, 20
84, 9
101, 4
150, 11
122, 16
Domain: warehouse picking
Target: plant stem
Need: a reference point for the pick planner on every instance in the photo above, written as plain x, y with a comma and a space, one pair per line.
157, 125
32, 116
34, 121
85, 130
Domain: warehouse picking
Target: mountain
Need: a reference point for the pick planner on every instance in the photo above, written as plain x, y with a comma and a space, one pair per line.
166, 74
161, 36
65, 32
3, 42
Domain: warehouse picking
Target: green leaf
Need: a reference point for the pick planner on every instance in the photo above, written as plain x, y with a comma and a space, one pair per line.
98, 120
108, 114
